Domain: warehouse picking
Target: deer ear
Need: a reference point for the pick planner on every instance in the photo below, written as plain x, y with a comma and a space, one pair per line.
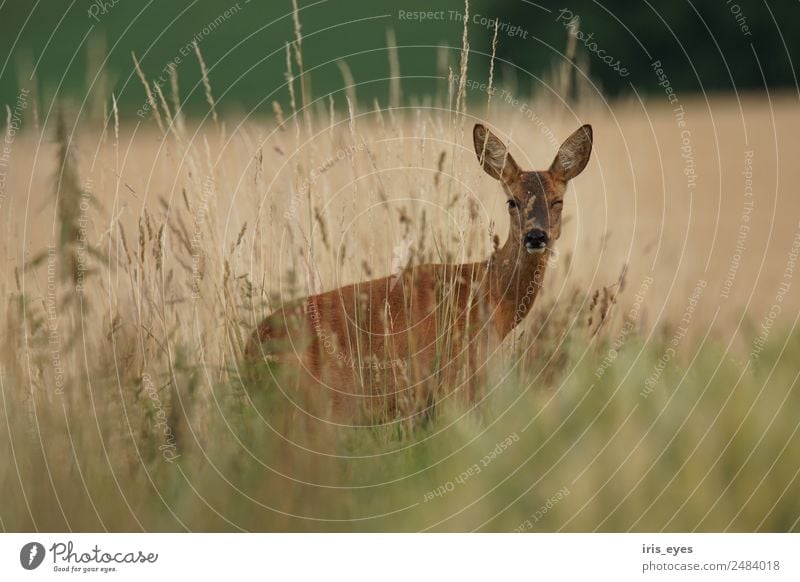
493, 155
573, 155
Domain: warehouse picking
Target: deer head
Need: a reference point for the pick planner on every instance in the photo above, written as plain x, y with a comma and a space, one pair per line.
534, 199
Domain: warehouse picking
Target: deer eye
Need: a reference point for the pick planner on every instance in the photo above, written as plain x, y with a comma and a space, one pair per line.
557, 204
511, 203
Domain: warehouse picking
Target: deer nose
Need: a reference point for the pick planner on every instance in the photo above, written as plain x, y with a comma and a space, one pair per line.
535, 241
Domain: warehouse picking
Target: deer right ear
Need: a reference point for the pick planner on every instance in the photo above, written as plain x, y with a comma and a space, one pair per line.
493, 155
573, 155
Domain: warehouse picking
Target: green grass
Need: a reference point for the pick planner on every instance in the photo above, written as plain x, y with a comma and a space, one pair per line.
714, 447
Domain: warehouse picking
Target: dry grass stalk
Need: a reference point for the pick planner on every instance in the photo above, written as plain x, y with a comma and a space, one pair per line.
151, 100
490, 90
394, 69
206, 83
461, 107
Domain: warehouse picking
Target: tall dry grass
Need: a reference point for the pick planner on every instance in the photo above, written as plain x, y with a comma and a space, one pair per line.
140, 257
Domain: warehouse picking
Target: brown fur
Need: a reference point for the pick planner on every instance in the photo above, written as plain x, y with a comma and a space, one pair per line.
392, 346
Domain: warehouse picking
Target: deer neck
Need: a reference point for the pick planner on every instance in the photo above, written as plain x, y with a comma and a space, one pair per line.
515, 278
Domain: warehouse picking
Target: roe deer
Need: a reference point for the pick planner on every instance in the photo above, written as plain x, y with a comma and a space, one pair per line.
386, 348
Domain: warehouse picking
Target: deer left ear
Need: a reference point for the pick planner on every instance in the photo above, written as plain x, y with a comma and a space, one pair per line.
493, 155
573, 155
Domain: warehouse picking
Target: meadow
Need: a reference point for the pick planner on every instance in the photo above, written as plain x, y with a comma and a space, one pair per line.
653, 388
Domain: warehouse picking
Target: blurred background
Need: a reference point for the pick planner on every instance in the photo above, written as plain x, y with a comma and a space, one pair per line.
654, 387
745, 45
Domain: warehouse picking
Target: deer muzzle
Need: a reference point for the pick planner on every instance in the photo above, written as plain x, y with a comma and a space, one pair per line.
535, 241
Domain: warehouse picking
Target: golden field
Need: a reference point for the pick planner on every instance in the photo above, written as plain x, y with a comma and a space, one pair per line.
652, 388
